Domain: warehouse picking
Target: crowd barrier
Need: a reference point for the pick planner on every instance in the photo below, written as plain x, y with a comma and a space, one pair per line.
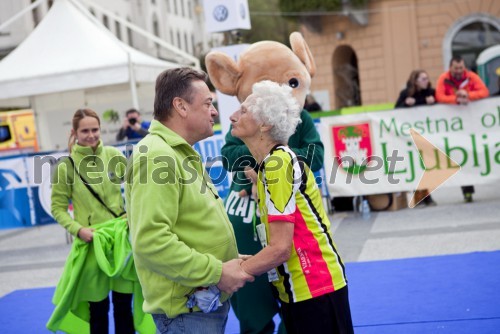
470, 135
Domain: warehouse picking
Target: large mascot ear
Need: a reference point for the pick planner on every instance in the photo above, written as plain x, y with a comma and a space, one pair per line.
300, 48
223, 71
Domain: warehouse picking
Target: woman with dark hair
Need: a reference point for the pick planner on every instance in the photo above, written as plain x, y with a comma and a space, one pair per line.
418, 91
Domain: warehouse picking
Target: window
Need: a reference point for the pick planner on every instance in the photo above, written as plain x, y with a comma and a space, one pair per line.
172, 37
156, 32
186, 47
175, 6
193, 51
167, 5
118, 29
130, 40
105, 21
5, 133
179, 40
156, 27
182, 8
468, 36
472, 39
36, 14
189, 10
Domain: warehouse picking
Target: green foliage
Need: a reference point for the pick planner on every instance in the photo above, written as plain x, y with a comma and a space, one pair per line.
265, 26
310, 5
111, 116
316, 5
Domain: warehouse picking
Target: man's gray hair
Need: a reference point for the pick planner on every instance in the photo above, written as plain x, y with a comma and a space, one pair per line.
273, 104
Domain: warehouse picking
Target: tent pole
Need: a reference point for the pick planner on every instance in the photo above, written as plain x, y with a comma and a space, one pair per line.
37, 121
133, 85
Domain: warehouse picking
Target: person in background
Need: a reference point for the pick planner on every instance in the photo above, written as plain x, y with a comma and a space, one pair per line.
460, 86
87, 151
133, 127
255, 304
418, 92
182, 239
311, 104
299, 254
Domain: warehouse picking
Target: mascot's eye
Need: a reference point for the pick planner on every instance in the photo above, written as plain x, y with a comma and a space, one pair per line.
294, 83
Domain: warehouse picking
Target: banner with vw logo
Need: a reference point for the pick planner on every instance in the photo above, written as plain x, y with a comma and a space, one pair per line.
224, 15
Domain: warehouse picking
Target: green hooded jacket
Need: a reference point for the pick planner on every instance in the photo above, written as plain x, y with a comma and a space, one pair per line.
180, 231
103, 170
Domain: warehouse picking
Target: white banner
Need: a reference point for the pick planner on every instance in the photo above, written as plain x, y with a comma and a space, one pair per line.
225, 15
470, 135
226, 104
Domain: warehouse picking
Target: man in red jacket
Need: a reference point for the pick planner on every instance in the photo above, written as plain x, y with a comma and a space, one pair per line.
460, 86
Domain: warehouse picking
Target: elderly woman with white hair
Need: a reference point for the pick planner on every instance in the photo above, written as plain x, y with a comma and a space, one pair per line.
299, 256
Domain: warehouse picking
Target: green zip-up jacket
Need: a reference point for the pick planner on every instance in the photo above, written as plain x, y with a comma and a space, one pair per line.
103, 170
180, 232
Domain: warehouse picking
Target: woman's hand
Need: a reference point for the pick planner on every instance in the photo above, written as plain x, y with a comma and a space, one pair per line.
410, 101
86, 234
430, 99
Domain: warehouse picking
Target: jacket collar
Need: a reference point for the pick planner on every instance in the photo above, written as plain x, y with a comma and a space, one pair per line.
86, 150
465, 75
170, 137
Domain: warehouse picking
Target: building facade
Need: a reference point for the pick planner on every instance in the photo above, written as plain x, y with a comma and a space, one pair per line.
177, 22
366, 57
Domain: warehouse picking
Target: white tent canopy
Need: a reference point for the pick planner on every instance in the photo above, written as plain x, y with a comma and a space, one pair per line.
68, 51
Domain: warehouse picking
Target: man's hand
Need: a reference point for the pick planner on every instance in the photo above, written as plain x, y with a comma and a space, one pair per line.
125, 124
86, 234
136, 126
462, 96
233, 277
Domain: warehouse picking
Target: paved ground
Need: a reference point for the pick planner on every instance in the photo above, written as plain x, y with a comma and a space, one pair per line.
34, 257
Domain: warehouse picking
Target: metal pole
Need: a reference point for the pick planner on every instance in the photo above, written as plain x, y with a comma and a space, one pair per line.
133, 85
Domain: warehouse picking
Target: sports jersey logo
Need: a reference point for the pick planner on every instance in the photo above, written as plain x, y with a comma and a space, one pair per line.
352, 146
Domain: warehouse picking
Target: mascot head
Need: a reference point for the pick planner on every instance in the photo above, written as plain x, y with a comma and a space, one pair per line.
266, 60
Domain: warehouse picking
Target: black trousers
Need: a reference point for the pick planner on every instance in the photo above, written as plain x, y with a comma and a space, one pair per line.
467, 189
328, 313
122, 313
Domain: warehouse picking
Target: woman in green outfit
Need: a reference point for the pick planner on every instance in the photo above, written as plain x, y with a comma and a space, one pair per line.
91, 179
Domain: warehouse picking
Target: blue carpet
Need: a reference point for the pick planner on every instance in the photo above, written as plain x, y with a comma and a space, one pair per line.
442, 294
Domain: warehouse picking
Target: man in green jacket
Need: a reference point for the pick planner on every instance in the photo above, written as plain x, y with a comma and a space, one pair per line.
182, 239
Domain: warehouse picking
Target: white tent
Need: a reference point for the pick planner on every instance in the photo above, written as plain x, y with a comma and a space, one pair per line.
71, 60
69, 51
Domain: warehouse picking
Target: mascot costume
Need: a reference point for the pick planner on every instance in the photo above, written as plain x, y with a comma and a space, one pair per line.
255, 305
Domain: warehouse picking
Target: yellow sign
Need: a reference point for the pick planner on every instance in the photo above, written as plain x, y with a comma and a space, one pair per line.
18, 131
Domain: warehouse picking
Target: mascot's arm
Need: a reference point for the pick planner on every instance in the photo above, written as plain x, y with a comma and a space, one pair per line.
309, 147
236, 155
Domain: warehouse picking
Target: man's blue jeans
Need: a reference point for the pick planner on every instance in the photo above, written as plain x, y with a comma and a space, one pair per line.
193, 323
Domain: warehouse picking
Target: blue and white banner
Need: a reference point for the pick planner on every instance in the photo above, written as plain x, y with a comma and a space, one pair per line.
225, 15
